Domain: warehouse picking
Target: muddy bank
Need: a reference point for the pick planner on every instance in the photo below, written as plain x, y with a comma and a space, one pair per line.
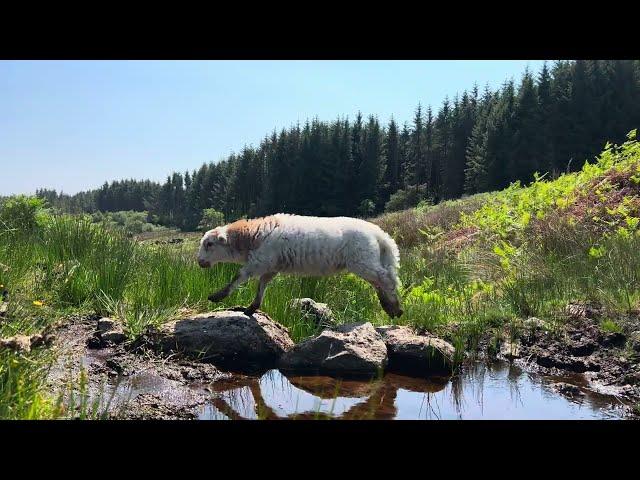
125, 384
605, 361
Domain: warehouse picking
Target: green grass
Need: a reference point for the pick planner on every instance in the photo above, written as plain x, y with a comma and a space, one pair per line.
478, 264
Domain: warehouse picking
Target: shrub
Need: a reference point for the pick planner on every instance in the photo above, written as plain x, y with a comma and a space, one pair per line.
22, 213
408, 198
211, 218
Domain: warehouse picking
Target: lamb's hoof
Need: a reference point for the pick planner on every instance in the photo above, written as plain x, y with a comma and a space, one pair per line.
237, 309
249, 311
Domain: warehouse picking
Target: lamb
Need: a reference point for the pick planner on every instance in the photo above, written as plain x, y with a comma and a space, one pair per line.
307, 246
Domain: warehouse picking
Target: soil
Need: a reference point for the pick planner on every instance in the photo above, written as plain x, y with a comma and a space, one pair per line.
144, 385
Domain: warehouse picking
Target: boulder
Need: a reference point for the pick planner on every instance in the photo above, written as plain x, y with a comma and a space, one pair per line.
319, 312
348, 350
228, 339
417, 354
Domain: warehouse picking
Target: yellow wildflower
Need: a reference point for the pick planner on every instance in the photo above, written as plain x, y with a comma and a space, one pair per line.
38, 303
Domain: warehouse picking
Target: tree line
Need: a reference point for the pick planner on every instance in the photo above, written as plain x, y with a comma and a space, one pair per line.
478, 141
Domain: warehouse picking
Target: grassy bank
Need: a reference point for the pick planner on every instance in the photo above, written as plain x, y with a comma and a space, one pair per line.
478, 263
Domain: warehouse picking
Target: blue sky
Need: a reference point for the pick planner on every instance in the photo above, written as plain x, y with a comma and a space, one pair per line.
71, 125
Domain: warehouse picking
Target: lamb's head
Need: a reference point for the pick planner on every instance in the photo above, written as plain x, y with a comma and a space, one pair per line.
214, 247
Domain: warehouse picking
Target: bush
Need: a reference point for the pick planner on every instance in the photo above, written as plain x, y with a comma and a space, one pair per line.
367, 208
22, 213
130, 221
211, 218
403, 199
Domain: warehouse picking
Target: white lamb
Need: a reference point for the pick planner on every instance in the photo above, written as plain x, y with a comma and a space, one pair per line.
313, 246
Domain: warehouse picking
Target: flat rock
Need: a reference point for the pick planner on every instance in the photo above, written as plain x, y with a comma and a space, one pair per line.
227, 339
348, 350
417, 354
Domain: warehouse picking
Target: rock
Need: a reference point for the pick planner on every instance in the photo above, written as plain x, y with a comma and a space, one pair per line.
634, 341
3, 309
573, 364
105, 324
510, 350
583, 310
320, 312
419, 354
567, 389
534, 323
38, 339
582, 347
350, 350
18, 343
228, 339
113, 337
613, 339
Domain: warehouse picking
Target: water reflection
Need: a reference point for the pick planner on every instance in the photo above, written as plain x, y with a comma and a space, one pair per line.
482, 391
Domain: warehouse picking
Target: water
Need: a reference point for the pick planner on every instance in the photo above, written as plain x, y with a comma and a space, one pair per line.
496, 391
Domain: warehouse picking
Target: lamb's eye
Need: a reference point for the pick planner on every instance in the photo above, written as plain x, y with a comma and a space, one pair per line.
208, 244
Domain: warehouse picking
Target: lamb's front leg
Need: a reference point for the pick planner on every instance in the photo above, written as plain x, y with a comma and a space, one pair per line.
255, 305
238, 280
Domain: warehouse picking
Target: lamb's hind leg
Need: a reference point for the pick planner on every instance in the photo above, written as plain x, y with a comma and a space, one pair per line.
255, 305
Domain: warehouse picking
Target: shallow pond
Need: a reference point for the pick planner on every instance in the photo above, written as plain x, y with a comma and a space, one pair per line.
496, 391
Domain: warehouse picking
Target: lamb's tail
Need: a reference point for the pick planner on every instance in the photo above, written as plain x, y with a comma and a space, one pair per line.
389, 254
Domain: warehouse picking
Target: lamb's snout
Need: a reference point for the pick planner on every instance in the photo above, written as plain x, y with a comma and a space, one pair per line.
203, 263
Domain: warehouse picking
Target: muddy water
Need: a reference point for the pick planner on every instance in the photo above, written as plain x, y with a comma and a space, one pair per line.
497, 391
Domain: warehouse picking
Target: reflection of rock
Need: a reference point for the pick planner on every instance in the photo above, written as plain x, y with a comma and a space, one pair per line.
227, 339
416, 385
353, 349
419, 354
329, 387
